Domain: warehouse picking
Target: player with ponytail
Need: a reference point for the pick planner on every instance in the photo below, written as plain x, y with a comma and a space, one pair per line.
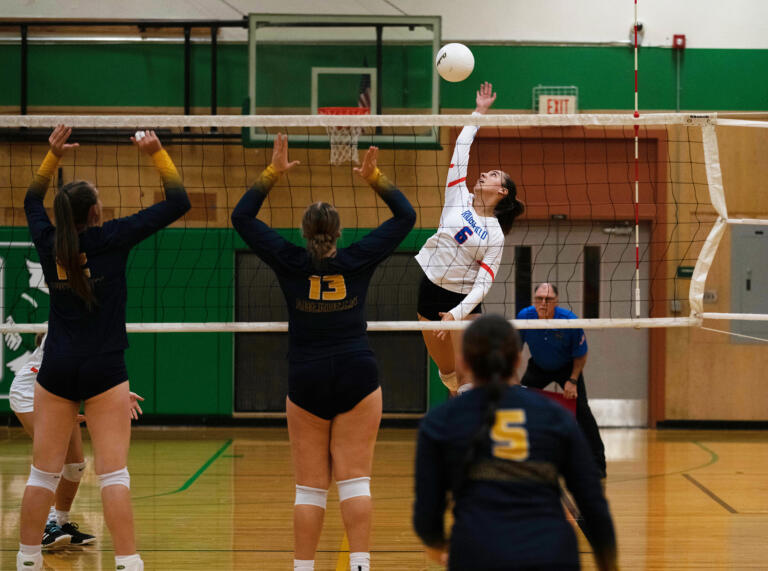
334, 399
499, 450
461, 259
84, 263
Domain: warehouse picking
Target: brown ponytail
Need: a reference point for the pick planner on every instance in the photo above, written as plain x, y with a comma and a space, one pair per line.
509, 207
71, 206
491, 349
321, 228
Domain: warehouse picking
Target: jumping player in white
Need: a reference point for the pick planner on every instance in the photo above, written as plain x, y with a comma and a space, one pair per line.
461, 259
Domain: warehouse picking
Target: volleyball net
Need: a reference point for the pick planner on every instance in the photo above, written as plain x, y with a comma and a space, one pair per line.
624, 215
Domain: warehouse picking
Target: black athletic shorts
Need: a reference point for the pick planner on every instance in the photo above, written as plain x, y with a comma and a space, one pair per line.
80, 378
332, 385
433, 299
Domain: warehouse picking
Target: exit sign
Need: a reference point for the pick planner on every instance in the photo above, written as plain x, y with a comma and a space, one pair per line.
550, 104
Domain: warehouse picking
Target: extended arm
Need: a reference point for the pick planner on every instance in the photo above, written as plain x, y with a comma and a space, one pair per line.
456, 185
262, 239
384, 239
37, 217
130, 230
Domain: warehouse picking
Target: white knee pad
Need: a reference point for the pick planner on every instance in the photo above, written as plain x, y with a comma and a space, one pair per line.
306, 496
74, 472
450, 380
40, 479
354, 487
116, 478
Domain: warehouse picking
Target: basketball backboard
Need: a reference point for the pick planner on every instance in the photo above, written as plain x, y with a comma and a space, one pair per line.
299, 63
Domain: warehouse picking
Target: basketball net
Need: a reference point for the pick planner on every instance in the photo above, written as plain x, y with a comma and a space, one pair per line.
343, 139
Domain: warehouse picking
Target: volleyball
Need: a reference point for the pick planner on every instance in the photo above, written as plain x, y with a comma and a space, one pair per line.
455, 62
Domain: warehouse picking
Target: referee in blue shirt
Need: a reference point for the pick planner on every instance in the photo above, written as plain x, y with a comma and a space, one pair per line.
559, 355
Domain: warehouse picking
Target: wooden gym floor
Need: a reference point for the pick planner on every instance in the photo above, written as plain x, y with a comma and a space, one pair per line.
222, 499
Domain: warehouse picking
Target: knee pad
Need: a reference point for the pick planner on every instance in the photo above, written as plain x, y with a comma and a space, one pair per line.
74, 472
116, 478
306, 496
40, 479
464, 388
450, 380
354, 487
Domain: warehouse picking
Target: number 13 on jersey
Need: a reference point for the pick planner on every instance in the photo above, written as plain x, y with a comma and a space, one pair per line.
327, 288
510, 438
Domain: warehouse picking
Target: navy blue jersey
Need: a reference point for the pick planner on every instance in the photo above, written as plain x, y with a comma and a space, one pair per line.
73, 328
507, 509
553, 349
326, 301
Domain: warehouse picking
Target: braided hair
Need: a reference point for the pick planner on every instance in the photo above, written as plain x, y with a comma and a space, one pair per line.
321, 227
491, 350
71, 207
509, 207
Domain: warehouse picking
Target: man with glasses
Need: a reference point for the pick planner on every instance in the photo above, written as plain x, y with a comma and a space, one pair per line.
559, 355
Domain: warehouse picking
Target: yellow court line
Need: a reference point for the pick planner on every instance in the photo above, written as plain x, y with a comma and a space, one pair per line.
342, 564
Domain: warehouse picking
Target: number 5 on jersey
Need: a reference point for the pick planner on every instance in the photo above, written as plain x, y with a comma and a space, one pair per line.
510, 438
327, 288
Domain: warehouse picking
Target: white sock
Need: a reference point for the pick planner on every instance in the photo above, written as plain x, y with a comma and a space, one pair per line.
303, 565
61, 517
52, 514
29, 558
129, 562
464, 388
360, 561
30, 549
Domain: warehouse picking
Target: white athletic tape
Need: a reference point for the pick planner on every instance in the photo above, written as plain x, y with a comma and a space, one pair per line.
74, 472
40, 479
354, 487
306, 496
116, 478
450, 380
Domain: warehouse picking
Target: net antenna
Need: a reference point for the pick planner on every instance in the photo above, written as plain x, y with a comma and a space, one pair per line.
343, 139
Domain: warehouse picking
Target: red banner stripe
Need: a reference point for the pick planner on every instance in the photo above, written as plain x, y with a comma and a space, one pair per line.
487, 269
457, 181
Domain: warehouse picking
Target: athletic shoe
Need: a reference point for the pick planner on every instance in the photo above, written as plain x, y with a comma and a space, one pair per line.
54, 537
29, 562
78, 537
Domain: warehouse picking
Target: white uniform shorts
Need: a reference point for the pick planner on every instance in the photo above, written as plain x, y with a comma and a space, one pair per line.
22, 394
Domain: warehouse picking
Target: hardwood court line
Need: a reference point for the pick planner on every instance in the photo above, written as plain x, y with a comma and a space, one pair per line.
713, 458
191, 480
342, 563
709, 492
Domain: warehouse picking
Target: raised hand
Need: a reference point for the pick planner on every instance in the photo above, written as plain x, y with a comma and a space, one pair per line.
368, 166
280, 154
149, 143
58, 140
485, 97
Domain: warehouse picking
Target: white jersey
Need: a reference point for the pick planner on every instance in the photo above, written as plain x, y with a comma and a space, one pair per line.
464, 254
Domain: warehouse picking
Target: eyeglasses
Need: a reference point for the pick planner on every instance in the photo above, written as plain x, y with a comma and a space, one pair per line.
544, 299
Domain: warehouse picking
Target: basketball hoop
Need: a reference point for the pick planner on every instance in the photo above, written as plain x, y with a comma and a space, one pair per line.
343, 139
